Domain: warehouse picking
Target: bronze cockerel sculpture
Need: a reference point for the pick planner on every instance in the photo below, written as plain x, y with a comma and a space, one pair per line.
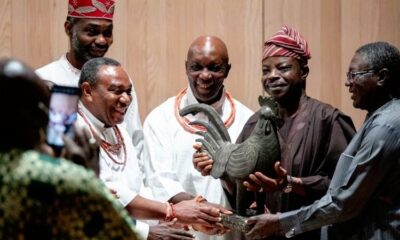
236, 161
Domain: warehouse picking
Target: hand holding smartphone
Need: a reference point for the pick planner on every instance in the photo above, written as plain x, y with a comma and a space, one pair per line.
62, 115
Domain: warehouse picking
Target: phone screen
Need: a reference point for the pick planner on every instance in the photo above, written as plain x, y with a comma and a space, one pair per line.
62, 114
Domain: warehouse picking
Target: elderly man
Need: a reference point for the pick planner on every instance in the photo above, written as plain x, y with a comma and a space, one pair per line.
362, 201
89, 27
106, 96
44, 197
171, 137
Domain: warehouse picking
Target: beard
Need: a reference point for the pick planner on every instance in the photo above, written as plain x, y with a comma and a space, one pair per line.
82, 51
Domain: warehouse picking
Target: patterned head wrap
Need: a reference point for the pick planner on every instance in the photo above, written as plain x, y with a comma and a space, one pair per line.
103, 9
287, 42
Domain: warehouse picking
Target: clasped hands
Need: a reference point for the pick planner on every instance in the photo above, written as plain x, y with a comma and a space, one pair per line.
201, 215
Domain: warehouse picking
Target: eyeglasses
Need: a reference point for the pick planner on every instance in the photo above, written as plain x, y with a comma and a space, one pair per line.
352, 75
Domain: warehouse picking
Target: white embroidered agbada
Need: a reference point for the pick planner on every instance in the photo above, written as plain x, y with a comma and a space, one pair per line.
125, 177
171, 151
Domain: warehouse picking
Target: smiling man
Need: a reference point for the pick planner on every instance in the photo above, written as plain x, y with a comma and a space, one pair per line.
43, 197
106, 96
171, 137
312, 134
89, 27
363, 200
90, 34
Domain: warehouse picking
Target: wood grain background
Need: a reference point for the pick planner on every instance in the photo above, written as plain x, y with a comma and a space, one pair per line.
151, 39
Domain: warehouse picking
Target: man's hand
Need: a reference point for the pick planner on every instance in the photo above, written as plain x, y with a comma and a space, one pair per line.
262, 226
196, 212
217, 228
218, 206
83, 150
260, 182
167, 231
201, 160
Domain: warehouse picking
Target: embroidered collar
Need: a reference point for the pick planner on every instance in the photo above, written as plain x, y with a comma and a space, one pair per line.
112, 140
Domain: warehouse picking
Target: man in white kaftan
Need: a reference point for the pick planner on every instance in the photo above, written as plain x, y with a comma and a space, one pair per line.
61, 72
171, 138
105, 98
121, 172
90, 36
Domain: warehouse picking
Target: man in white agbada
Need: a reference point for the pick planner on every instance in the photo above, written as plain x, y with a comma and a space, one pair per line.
105, 98
90, 35
171, 137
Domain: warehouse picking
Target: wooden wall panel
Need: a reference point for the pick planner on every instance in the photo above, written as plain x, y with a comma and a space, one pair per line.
5, 28
302, 16
160, 32
319, 23
27, 42
151, 39
34, 30
364, 21
334, 30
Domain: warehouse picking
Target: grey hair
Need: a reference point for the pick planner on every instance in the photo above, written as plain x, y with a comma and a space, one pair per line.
382, 55
91, 68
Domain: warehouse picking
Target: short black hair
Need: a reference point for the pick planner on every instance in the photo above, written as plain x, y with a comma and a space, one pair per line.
72, 20
91, 68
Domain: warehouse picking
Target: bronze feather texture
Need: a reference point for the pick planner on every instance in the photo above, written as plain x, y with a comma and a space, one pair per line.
236, 161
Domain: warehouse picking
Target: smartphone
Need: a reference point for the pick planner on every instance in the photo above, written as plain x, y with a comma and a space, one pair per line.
62, 115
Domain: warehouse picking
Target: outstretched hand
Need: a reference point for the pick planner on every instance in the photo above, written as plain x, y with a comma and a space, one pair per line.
217, 228
201, 160
204, 216
262, 226
167, 231
260, 182
194, 212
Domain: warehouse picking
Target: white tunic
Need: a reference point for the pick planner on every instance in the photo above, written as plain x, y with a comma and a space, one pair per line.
171, 151
126, 179
61, 72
